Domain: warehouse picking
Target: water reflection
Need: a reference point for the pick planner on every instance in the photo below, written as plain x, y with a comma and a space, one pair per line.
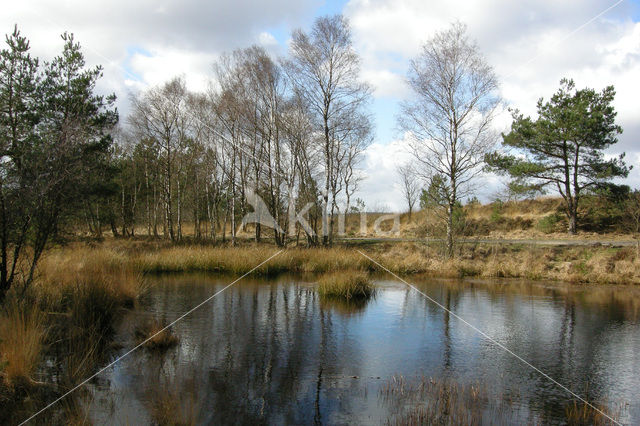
273, 352
345, 307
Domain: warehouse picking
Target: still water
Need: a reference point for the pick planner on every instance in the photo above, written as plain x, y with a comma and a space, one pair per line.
271, 351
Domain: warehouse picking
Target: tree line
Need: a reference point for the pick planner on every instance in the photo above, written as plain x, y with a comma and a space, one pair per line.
288, 131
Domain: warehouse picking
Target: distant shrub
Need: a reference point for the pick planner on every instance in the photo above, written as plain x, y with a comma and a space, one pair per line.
496, 212
473, 202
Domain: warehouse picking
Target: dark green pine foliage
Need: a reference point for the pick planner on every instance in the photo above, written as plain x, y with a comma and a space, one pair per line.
54, 138
564, 148
19, 106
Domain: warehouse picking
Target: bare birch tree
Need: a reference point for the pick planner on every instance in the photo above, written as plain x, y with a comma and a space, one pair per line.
448, 119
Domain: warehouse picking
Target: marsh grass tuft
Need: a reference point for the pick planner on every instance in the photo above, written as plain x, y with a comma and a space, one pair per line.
348, 285
22, 335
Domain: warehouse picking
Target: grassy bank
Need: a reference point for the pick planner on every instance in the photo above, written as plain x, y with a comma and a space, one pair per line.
594, 265
239, 260
573, 264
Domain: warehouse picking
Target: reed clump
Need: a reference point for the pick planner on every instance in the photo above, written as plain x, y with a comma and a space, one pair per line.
348, 285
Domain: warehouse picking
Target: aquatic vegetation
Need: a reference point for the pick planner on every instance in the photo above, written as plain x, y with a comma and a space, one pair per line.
581, 413
432, 400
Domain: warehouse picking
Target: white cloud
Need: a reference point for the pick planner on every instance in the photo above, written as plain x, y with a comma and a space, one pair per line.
386, 84
267, 39
381, 186
162, 65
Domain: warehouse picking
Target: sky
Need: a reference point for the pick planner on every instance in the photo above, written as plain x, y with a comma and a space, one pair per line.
531, 44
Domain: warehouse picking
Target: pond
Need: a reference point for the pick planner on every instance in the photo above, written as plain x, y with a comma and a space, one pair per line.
272, 351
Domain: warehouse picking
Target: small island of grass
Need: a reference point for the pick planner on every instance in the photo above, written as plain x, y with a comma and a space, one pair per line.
348, 285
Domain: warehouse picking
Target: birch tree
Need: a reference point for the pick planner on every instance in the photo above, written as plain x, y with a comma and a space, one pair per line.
448, 118
325, 71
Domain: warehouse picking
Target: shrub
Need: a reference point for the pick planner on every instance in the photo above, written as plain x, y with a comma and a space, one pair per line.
496, 212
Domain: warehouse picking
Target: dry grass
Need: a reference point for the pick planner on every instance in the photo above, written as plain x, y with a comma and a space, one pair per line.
121, 264
22, 334
346, 285
596, 264
155, 336
239, 260
65, 271
75, 297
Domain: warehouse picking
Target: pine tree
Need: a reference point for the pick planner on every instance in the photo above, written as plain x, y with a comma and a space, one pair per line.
564, 147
